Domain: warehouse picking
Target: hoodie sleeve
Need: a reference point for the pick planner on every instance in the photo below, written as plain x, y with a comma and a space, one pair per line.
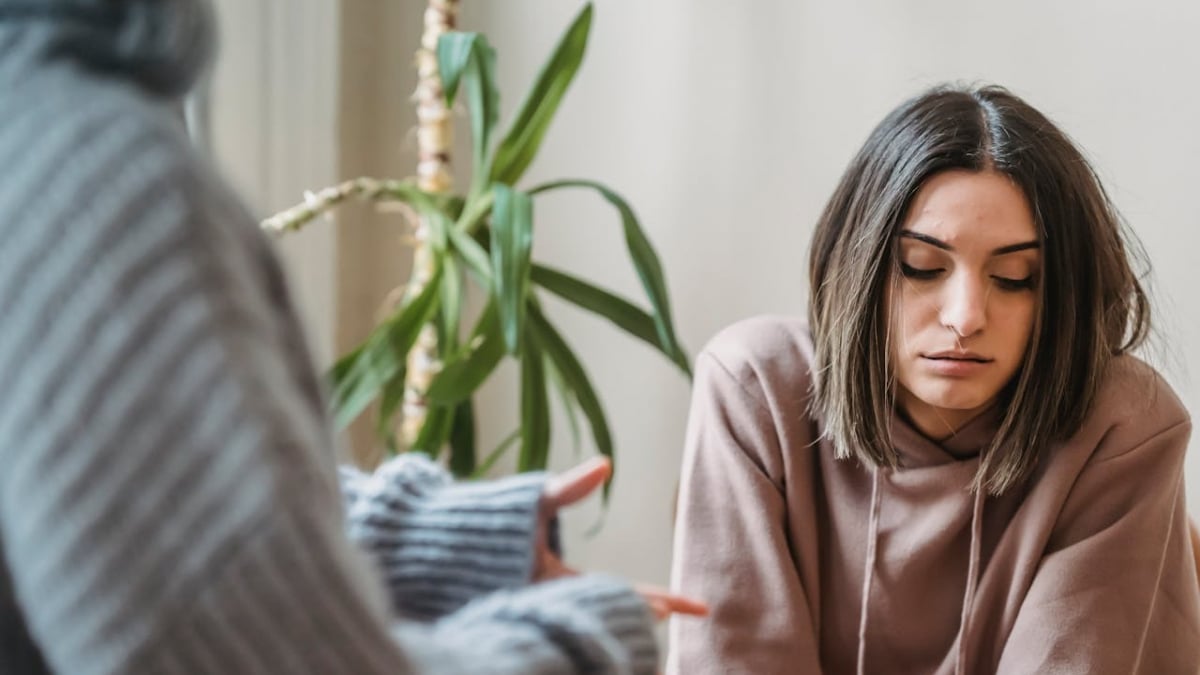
731, 548
1116, 590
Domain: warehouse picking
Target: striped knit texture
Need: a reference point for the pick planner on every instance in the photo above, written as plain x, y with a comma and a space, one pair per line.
440, 544
168, 499
610, 636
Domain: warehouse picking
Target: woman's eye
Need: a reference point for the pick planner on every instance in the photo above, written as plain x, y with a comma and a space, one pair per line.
1008, 284
911, 272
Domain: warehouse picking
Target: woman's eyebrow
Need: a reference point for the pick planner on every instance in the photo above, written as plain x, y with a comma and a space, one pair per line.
1013, 248
938, 243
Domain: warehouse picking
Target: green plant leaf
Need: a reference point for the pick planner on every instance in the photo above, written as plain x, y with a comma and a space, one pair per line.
512, 241
341, 369
389, 401
577, 379
627, 316
645, 260
535, 411
462, 440
439, 422
437, 211
469, 56
567, 398
464, 372
381, 357
496, 454
474, 211
454, 53
438, 227
473, 256
450, 309
523, 139
422, 202
449, 204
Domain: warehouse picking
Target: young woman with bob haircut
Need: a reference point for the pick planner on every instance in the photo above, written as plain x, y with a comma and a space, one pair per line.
955, 465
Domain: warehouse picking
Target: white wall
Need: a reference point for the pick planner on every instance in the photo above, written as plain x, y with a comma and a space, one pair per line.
273, 104
727, 125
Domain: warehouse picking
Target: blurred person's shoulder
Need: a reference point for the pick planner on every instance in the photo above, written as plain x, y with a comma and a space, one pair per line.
69, 109
104, 144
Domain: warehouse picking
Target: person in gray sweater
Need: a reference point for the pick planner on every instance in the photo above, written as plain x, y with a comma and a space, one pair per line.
169, 500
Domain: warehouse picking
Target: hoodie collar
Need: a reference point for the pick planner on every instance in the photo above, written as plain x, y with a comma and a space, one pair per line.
918, 450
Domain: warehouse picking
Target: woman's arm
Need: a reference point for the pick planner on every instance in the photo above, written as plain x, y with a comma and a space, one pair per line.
731, 549
1116, 591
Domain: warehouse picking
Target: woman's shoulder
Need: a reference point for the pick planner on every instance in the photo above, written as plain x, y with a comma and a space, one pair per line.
771, 352
1133, 404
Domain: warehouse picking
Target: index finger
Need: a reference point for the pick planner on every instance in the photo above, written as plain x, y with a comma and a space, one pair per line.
577, 482
664, 603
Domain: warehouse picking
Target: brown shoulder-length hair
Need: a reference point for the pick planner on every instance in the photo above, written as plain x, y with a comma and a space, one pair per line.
1091, 305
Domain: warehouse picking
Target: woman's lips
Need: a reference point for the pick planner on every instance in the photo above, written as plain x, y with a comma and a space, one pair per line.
955, 366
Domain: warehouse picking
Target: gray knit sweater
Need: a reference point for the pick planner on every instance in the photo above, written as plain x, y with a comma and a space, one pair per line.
168, 496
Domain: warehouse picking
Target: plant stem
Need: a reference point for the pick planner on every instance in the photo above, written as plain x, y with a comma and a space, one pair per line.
317, 203
433, 175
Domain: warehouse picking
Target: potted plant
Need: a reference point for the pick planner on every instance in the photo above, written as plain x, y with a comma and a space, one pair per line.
415, 364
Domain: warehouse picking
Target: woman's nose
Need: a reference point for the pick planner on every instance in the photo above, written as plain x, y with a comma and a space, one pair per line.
964, 305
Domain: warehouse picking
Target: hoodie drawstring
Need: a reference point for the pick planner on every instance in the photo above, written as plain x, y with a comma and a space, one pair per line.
973, 563
869, 572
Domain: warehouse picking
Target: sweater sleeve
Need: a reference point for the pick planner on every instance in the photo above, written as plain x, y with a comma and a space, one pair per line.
731, 549
1116, 590
439, 544
573, 625
167, 502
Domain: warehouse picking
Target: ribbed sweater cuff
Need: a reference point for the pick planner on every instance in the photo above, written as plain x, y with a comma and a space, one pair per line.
598, 623
440, 544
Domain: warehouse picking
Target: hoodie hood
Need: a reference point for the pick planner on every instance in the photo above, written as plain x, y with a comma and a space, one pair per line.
163, 46
918, 451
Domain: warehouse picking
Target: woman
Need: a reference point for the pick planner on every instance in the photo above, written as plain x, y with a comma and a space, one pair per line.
954, 466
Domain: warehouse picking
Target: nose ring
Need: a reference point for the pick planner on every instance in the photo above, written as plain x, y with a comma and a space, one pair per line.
957, 337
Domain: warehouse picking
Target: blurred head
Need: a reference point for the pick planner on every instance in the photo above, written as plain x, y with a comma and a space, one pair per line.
164, 46
968, 258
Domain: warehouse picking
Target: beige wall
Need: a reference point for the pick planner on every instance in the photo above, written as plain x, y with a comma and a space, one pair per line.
727, 124
307, 93
273, 104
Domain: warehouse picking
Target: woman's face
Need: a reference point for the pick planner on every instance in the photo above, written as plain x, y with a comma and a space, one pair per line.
961, 308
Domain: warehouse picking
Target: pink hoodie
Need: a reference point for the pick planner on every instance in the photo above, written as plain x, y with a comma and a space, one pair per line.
815, 565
